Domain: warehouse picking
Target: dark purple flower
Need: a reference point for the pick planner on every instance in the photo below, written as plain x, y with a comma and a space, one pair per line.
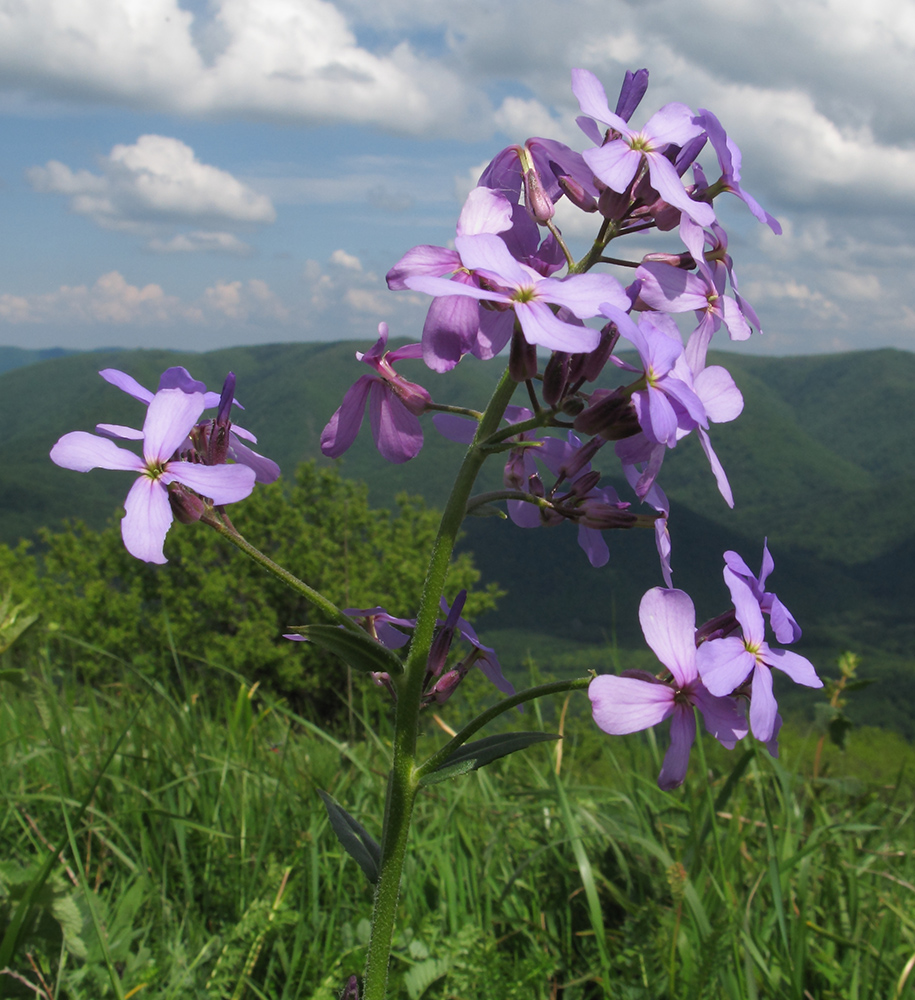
394, 404
627, 704
170, 416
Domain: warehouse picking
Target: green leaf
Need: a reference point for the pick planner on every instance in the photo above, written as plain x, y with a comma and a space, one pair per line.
358, 843
358, 649
475, 755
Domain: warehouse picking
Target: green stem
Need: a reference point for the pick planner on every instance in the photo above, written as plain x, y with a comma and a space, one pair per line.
531, 694
403, 781
300, 587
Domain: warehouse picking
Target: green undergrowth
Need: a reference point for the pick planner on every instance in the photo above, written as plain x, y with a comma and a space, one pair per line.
196, 859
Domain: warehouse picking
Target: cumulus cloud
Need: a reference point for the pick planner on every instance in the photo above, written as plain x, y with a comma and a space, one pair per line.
284, 59
157, 179
114, 301
197, 242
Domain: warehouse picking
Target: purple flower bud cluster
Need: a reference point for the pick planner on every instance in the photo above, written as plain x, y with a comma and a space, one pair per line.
183, 471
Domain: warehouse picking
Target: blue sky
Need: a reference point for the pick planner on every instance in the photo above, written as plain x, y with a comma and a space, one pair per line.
219, 172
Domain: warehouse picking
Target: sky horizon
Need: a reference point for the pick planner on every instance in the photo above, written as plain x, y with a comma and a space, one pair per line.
196, 174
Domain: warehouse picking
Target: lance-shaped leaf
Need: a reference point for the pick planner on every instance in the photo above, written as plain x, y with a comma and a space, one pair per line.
358, 649
358, 843
473, 756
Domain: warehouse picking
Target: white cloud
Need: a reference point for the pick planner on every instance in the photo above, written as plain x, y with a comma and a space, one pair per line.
198, 241
157, 179
346, 260
284, 59
112, 300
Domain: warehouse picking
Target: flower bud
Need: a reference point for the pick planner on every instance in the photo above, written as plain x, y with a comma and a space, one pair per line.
718, 627
589, 366
681, 260
613, 416
535, 198
522, 358
576, 193
612, 205
351, 990
185, 504
555, 377
445, 687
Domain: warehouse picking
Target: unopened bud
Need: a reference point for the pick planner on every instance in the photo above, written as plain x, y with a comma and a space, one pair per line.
537, 200
681, 260
555, 377
613, 205
576, 193
718, 627
589, 366
351, 990
613, 417
584, 484
580, 458
445, 686
522, 358
186, 505
225, 401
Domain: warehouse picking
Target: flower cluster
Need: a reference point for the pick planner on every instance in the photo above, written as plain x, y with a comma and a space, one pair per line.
711, 668
183, 470
501, 286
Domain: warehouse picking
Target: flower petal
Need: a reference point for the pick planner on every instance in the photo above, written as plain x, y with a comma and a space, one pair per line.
170, 417
676, 760
148, 518
623, 705
668, 620
82, 451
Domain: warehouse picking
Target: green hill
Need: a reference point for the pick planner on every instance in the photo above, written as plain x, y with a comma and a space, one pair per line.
821, 462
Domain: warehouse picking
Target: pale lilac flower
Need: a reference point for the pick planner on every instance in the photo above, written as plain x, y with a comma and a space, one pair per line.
394, 404
727, 664
170, 417
454, 325
530, 295
177, 377
629, 703
784, 626
729, 161
617, 161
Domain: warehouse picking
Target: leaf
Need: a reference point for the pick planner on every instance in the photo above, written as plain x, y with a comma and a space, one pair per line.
358, 843
358, 649
422, 976
475, 755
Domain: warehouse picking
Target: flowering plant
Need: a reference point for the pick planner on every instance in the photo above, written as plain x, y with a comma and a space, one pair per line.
500, 288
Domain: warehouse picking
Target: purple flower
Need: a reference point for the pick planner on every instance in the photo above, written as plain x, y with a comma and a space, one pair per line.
454, 325
726, 664
170, 417
784, 626
618, 160
394, 404
629, 703
529, 294
265, 469
729, 161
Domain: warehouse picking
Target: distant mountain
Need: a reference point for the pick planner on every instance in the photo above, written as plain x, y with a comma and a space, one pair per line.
822, 461
19, 357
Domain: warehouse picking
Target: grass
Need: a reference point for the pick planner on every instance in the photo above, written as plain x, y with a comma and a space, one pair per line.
196, 858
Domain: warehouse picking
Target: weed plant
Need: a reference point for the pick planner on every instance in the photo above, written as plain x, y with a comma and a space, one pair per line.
196, 860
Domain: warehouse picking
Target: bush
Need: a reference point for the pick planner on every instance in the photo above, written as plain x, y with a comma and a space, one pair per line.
213, 605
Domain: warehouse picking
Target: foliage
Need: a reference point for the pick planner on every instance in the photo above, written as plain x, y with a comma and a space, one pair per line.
213, 873
211, 604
